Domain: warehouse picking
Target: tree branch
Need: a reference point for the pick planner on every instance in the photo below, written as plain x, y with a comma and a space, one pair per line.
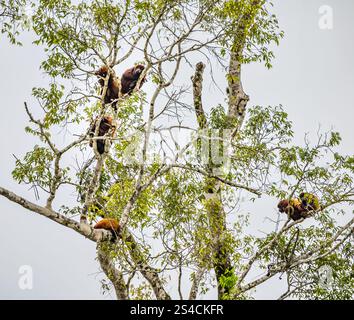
238, 99
150, 274
197, 80
230, 183
87, 231
112, 273
198, 276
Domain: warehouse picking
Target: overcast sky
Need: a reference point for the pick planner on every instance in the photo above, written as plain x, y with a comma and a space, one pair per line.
312, 78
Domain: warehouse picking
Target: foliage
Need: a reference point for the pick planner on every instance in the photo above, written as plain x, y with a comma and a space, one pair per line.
182, 214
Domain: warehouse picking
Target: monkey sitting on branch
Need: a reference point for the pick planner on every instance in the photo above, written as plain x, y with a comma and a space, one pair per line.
297, 209
109, 224
105, 126
113, 86
117, 88
130, 79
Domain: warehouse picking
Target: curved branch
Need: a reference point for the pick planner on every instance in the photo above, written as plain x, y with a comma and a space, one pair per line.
150, 274
85, 230
230, 183
310, 256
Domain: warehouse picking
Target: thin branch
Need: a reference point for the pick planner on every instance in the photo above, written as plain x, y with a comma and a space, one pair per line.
230, 183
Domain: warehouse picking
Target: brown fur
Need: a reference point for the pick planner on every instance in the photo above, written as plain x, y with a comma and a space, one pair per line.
108, 224
112, 92
130, 78
292, 208
106, 124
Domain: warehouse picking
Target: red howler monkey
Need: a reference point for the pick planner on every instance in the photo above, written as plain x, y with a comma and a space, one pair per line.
292, 208
130, 78
298, 208
112, 93
107, 224
105, 125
